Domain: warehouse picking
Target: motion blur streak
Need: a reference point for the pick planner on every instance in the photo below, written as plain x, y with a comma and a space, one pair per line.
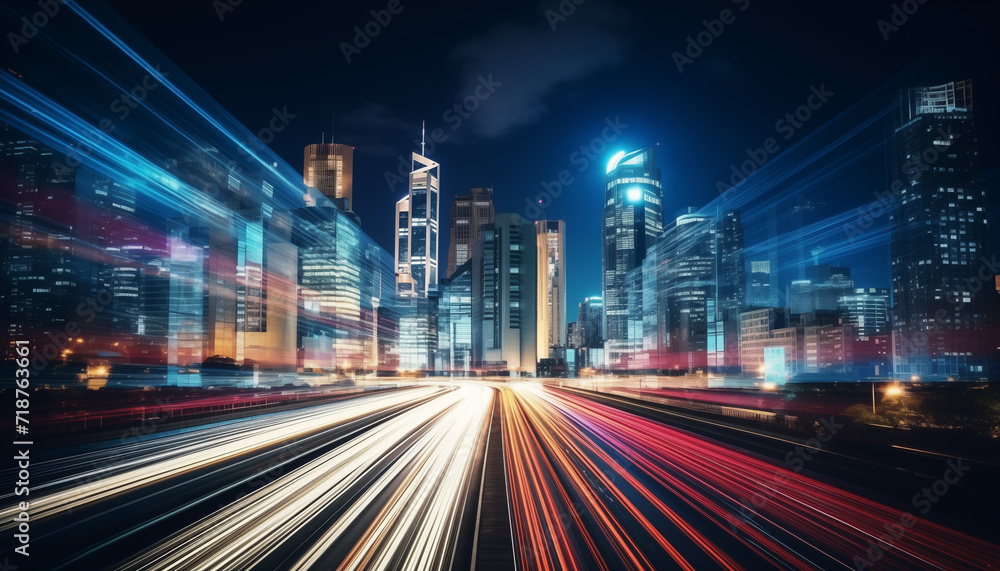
557, 440
422, 458
418, 526
141, 464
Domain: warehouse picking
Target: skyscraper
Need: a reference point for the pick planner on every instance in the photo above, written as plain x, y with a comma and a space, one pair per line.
40, 273
551, 274
455, 322
867, 309
731, 265
469, 212
819, 291
938, 226
504, 268
590, 322
761, 285
417, 216
689, 260
724, 321
631, 223
329, 167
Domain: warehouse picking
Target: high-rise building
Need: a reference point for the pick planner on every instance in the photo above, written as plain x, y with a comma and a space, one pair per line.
761, 285
724, 319
329, 167
819, 291
689, 261
631, 223
938, 226
867, 309
40, 288
418, 331
504, 290
551, 256
590, 322
347, 318
572, 337
731, 264
455, 322
417, 218
469, 213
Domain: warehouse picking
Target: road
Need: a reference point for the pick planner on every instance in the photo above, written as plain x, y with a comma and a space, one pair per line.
416, 479
593, 487
380, 481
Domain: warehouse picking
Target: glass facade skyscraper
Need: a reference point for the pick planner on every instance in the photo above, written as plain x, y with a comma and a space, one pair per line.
417, 227
632, 221
504, 287
455, 322
867, 309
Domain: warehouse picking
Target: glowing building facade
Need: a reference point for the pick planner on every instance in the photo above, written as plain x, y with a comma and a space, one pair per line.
939, 230
329, 168
417, 219
631, 222
551, 274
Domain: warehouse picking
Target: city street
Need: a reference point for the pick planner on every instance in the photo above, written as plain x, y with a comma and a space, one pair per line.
394, 479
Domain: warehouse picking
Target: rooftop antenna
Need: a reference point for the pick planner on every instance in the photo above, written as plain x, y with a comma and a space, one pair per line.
333, 126
323, 139
422, 135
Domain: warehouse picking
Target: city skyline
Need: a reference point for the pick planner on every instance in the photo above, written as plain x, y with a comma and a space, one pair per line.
529, 285
696, 165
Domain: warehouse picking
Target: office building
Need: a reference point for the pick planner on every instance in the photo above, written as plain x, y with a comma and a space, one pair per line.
551, 278
724, 314
329, 167
820, 290
631, 222
939, 234
417, 218
469, 213
867, 309
40, 287
761, 285
454, 344
590, 322
504, 292
756, 327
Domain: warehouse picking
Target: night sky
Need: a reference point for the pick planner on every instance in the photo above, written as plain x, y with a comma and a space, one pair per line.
559, 88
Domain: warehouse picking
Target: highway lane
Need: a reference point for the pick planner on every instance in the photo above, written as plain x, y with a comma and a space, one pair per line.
297, 489
393, 481
594, 487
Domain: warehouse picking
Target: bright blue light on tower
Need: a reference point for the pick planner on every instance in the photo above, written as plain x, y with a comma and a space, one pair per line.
614, 160
634, 194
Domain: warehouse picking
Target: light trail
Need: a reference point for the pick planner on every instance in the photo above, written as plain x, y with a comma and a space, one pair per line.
718, 501
142, 463
391, 494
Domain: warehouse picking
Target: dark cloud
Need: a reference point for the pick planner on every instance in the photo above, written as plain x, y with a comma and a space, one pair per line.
376, 117
531, 61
